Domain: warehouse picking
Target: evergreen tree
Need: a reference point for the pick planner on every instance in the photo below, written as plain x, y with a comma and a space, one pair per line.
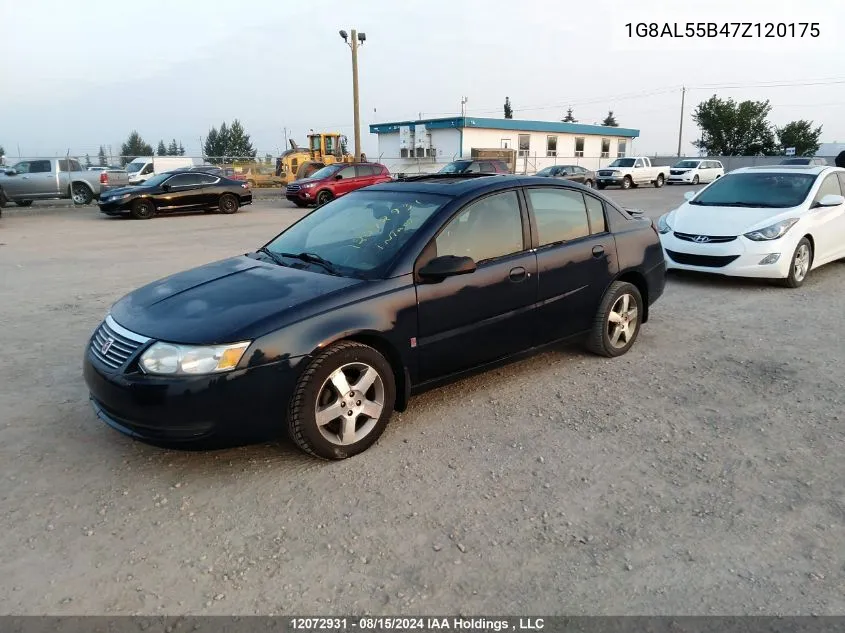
87, 159
610, 120
569, 118
161, 150
238, 144
181, 149
101, 157
173, 149
508, 108
134, 147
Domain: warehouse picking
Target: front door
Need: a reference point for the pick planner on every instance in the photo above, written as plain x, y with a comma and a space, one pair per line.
34, 179
185, 191
576, 260
828, 224
346, 180
472, 319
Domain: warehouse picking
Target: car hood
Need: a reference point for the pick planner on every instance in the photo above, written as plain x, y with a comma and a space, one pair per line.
231, 300
119, 191
701, 220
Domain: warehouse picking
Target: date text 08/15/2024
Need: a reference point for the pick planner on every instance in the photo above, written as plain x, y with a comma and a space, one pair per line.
689, 30
372, 623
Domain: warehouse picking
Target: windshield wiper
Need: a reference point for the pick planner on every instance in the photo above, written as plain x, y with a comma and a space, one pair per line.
274, 256
313, 258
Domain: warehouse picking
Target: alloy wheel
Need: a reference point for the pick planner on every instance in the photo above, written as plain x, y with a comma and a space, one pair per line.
801, 263
349, 404
622, 321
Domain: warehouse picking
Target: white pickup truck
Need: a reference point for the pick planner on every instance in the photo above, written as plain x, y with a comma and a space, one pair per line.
51, 178
631, 172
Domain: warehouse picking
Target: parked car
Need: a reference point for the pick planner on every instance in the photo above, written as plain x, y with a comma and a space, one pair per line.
775, 222
53, 178
631, 172
174, 191
387, 291
143, 168
692, 171
804, 160
576, 173
333, 181
483, 166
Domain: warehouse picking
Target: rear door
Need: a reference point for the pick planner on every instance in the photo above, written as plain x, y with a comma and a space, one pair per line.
468, 320
41, 181
366, 175
576, 259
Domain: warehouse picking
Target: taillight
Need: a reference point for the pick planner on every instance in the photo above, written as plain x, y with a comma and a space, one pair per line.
104, 178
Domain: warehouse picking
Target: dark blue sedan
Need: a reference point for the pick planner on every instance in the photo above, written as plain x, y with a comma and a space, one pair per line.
390, 290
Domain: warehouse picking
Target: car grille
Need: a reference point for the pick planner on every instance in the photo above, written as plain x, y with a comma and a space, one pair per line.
677, 172
119, 344
700, 239
292, 188
605, 173
710, 261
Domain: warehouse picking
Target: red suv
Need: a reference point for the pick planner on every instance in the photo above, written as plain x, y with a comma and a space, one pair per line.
332, 181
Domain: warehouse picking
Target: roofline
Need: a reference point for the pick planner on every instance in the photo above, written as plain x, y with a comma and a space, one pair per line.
506, 124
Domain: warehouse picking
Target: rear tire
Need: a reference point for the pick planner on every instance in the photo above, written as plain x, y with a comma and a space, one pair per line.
346, 363
228, 204
3, 199
24, 203
799, 265
658, 183
81, 194
143, 209
617, 321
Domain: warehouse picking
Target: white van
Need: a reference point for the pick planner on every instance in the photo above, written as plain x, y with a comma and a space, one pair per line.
145, 167
692, 171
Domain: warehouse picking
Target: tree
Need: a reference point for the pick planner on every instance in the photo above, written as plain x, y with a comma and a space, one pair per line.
87, 161
161, 150
101, 157
133, 148
569, 118
2, 151
173, 149
729, 128
800, 135
181, 149
211, 147
508, 108
239, 145
610, 120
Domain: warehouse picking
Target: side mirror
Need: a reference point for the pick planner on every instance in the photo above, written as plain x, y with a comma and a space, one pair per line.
165, 187
689, 195
338, 177
831, 200
447, 266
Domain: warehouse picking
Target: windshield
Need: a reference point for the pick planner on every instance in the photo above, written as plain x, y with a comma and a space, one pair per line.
548, 171
795, 161
687, 164
457, 167
623, 162
325, 172
772, 189
157, 180
360, 233
133, 167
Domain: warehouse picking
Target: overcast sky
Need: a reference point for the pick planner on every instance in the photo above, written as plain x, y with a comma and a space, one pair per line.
78, 75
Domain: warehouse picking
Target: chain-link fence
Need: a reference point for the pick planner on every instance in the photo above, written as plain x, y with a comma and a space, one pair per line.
521, 163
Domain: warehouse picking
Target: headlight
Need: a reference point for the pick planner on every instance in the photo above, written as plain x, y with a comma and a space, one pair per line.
615, 173
662, 225
309, 185
772, 232
122, 197
168, 359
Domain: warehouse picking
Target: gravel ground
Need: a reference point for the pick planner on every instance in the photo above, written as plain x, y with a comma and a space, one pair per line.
699, 474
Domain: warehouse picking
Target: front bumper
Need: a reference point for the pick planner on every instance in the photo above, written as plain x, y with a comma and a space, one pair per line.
303, 195
740, 257
192, 408
114, 208
680, 178
610, 181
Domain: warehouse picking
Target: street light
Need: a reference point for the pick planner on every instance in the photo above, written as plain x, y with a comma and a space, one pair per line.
356, 38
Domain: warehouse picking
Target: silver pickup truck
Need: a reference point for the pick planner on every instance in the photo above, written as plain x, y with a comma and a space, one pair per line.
50, 178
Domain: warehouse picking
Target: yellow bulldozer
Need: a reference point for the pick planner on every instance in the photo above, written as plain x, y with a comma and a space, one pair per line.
323, 149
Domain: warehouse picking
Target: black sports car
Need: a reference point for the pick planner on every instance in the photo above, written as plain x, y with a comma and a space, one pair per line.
177, 191
389, 290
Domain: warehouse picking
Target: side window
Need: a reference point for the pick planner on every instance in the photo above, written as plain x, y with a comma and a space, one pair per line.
483, 230
595, 212
148, 169
207, 179
75, 166
830, 186
487, 168
39, 167
347, 172
639, 163
364, 171
560, 213
183, 180
22, 167
473, 168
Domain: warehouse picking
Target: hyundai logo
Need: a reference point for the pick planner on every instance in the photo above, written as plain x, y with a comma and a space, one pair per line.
106, 346
701, 239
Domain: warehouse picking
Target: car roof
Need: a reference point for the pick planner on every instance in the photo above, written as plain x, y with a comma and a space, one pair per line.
455, 185
813, 170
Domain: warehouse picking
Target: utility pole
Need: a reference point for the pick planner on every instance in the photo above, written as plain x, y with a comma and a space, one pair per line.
463, 106
681, 124
356, 38
286, 138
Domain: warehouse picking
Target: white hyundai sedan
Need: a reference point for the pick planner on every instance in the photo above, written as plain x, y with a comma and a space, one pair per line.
777, 222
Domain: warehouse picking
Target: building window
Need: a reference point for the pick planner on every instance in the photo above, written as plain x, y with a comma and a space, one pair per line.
605, 148
622, 148
403, 153
524, 144
579, 147
551, 146
506, 143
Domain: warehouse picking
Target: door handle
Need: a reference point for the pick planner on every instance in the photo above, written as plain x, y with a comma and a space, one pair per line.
517, 274
598, 251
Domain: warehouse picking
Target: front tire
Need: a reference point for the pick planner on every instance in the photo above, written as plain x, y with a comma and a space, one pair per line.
324, 197
799, 267
627, 182
695, 179
24, 203
81, 194
660, 181
588, 183
228, 204
142, 210
617, 322
342, 401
